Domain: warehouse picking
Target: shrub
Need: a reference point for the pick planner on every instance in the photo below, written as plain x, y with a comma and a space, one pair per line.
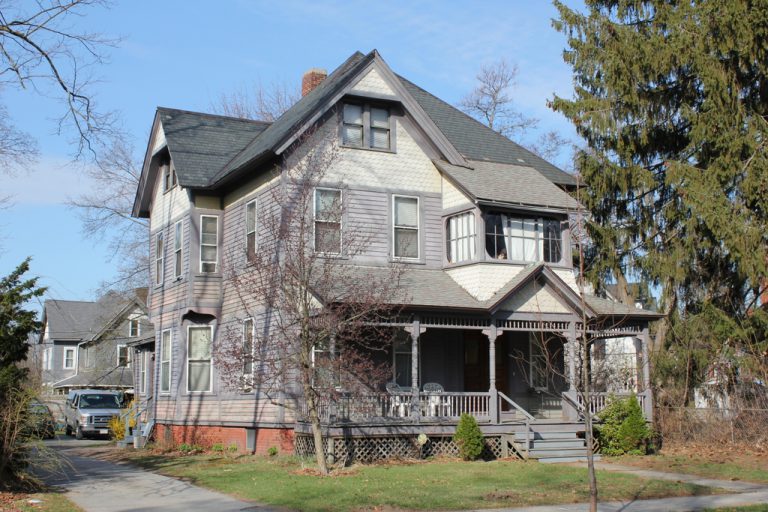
272, 451
232, 448
469, 438
190, 449
623, 429
218, 447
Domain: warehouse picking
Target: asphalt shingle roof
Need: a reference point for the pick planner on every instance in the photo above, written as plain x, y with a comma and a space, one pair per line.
116, 377
201, 144
508, 183
475, 141
72, 320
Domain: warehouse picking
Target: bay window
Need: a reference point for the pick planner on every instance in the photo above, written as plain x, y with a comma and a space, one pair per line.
521, 239
405, 227
209, 243
461, 236
165, 361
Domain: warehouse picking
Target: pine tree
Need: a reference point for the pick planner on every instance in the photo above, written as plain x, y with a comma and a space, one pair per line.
672, 101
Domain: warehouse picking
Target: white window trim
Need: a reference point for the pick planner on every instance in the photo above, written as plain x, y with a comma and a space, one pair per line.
255, 231
178, 229
74, 358
127, 356
216, 263
418, 228
142, 372
138, 327
170, 361
159, 259
315, 221
186, 368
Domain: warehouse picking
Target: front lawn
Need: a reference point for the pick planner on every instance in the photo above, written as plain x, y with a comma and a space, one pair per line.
721, 464
433, 485
37, 501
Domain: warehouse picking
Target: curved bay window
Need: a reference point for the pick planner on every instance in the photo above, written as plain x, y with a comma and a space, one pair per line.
509, 237
461, 235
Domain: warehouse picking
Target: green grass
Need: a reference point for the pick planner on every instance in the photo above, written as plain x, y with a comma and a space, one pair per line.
49, 502
433, 485
751, 469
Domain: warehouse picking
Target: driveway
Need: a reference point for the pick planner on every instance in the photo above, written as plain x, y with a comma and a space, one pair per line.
98, 485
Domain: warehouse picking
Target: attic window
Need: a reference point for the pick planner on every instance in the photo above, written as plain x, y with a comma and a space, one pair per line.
169, 177
366, 126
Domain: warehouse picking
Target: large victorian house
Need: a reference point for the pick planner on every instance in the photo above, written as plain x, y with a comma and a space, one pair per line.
480, 224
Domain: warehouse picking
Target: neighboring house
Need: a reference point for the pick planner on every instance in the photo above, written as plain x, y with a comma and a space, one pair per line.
488, 271
86, 344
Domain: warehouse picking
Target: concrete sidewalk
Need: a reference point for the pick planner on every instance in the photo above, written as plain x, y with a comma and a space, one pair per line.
745, 493
103, 486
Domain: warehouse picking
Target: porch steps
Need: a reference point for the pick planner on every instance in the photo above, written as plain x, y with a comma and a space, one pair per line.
550, 443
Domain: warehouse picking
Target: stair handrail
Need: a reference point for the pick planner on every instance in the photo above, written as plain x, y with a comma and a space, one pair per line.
515, 405
579, 407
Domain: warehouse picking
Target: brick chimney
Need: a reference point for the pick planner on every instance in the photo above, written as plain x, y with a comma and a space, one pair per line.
312, 79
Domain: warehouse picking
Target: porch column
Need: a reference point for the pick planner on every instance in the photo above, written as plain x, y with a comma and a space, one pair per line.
415, 330
492, 333
648, 404
570, 353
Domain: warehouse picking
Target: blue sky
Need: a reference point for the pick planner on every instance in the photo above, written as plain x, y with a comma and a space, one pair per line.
185, 54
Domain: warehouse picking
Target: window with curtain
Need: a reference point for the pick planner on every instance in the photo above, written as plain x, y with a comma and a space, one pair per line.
405, 227
461, 237
522, 239
328, 215
165, 361
209, 243
199, 358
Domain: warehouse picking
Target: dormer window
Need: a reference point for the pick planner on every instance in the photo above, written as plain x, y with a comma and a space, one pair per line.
521, 239
366, 126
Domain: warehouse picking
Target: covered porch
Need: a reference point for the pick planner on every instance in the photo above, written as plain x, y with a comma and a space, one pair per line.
502, 370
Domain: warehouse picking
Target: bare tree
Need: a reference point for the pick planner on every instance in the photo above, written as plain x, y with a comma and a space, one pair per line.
259, 102
491, 101
39, 50
316, 317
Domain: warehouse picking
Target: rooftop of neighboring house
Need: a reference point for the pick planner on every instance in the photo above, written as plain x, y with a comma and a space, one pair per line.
76, 321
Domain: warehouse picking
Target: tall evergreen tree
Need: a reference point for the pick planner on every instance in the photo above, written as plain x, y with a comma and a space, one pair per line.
672, 100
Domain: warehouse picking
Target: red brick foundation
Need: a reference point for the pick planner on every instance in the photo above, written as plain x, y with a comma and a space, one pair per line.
206, 436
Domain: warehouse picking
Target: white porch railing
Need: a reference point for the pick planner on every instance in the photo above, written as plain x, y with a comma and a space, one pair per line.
599, 401
403, 406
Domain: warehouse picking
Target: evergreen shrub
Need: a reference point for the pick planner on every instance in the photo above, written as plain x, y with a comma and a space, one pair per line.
469, 438
623, 429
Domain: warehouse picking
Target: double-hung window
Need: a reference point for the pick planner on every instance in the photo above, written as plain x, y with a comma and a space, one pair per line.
366, 126
165, 361
461, 237
248, 347
178, 239
327, 217
142, 373
134, 327
521, 239
169, 178
123, 356
69, 358
405, 227
209, 243
250, 229
159, 258
199, 358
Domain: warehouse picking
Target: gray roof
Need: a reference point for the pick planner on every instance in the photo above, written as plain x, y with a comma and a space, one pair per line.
208, 150
200, 144
475, 141
614, 308
120, 377
291, 120
73, 320
507, 183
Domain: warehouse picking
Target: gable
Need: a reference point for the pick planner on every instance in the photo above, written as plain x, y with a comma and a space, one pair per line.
373, 83
535, 297
483, 280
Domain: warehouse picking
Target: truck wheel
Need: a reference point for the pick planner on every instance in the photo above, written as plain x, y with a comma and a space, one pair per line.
79, 433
